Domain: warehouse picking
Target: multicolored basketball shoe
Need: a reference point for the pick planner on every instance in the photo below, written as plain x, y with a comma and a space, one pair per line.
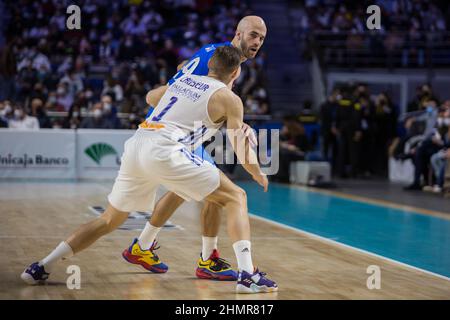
34, 274
146, 258
254, 283
215, 268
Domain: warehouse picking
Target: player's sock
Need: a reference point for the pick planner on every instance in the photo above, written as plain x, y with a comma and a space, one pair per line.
63, 250
242, 249
148, 235
208, 245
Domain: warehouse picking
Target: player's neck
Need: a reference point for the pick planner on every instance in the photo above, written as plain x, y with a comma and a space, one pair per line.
217, 77
235, 43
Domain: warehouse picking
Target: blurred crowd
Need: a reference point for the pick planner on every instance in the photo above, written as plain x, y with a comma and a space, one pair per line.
425, 140
357, 132
98, 76
408, 29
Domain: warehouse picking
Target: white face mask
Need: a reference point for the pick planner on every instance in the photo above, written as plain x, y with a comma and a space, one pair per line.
97, 113
75, 114
107, 107
447, 122
61, 91
7, 109
18, 113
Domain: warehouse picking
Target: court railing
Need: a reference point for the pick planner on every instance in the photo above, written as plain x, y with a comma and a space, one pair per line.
380, 49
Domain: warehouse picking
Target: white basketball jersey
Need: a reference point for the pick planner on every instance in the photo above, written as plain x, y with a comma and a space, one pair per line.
182, 113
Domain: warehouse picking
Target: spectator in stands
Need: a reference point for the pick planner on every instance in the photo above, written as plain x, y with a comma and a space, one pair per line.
423, 93
38, 111
3, 112
73, 119
138, 44
97, 120
26, 79
294, 145
7, 72
110, 112
113, 89
431, 144
23, 121
73, 82
64, 99
6, 111
440, 159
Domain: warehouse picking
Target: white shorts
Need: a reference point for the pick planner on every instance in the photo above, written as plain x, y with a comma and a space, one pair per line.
150, 160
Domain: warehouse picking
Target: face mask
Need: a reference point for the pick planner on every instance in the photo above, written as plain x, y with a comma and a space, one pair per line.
61, 91
75, 114
430, 109
447, 122
97, 113
7, 109
107, 107
132, 117
18, 113
88, 94
440, 121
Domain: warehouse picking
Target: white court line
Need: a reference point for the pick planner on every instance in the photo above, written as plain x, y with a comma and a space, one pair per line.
336, 243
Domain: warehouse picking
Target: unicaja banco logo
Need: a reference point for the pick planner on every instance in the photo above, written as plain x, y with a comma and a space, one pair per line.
98, 151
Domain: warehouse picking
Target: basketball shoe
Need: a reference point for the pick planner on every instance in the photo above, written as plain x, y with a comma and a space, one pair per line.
215, 268
254, 283
34, 274
146, 258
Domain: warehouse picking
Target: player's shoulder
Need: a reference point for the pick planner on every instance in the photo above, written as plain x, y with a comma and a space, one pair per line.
227, 97
209, 49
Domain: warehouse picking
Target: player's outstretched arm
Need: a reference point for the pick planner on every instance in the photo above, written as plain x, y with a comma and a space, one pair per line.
240, 142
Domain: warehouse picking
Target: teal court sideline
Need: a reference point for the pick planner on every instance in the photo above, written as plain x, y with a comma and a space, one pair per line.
416, 239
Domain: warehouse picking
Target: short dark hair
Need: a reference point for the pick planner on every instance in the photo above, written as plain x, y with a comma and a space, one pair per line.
225, 60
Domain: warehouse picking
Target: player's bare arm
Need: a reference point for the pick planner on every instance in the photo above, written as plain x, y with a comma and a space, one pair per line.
225, 105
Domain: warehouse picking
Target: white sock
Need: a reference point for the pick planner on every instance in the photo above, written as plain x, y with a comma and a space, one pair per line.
242, 250
208, 245
63, 250
148, 235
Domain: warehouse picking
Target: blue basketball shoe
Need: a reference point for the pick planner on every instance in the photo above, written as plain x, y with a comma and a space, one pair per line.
254, 283
34, 274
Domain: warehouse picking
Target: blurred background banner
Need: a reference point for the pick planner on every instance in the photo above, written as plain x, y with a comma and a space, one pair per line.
48, 154
99, 152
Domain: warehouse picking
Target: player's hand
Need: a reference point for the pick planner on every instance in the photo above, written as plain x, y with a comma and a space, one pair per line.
250, 134
262, 180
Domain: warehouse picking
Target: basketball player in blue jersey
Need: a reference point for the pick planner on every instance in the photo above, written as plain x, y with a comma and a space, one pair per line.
249, 37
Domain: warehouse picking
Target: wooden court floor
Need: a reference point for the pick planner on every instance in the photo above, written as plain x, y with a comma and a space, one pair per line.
35, 217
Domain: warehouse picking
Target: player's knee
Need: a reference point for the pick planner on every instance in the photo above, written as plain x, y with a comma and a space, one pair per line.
109, 223
239, 195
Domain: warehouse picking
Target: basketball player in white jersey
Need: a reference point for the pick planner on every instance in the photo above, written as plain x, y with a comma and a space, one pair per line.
158, 154
250, 35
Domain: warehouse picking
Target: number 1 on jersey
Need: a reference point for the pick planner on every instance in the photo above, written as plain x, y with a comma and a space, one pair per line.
164, 111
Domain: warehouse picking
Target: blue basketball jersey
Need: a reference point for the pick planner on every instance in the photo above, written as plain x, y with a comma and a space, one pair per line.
198, 64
